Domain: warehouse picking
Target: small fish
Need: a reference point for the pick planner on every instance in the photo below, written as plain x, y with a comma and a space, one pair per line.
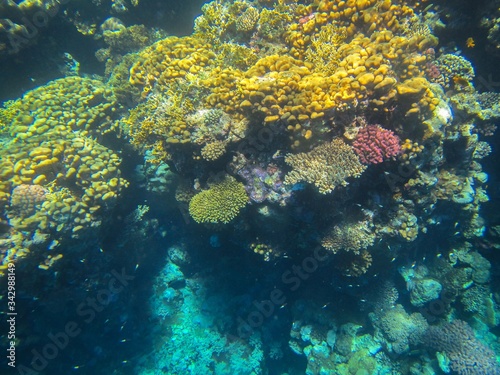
325, 305
283, 306
393, 259
470, 42
136, 266
456, 233
124, 340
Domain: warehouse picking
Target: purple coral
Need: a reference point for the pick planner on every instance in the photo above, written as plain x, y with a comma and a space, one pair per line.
263, 181
467, 355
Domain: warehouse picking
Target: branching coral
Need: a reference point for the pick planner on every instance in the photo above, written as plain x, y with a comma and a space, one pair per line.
221, 203
375, 144
350, 237
326, 166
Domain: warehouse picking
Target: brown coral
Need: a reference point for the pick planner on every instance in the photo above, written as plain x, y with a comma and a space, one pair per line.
350, 237
326, 166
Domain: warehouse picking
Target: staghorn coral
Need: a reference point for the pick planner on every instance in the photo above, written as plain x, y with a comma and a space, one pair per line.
326, 166
247, 20
467, 355
221, 203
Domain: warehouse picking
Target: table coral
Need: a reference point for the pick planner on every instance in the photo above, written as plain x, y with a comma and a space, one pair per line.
326, 166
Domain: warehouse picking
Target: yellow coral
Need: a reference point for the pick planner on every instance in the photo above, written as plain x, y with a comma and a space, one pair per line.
351, 237
51, 153
221, 203
213, 150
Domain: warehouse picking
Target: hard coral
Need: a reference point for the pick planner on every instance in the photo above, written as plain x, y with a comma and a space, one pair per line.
221, 203
467, 355
326, 166
25, 197
350, 237
375, 144
400, 328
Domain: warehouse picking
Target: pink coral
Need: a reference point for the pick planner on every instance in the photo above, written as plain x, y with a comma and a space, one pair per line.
375, 144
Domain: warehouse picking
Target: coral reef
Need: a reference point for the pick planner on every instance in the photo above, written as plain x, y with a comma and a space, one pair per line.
466, 354
401, 328
326, 166
220, 203
56, 177
353, 164
374, 144
351, 237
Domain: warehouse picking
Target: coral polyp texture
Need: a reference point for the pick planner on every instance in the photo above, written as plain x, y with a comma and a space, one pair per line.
326, 166
373, 144
56, 179
220, 203
466, 354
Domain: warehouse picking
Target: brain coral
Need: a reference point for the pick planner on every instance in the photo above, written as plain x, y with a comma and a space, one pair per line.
221, 203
